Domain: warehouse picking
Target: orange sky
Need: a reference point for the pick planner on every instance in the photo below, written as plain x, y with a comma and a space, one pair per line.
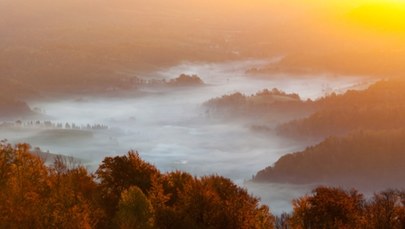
323, 26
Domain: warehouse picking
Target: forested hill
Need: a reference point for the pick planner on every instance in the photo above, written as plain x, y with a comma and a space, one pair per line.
382, 106
266, 105
364, 145
367, 159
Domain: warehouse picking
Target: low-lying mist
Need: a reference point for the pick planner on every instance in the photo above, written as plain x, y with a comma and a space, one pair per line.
170, 128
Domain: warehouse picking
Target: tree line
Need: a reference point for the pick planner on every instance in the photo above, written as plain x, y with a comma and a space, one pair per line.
52, 125
124, 192
266, 104
183, 80
127, 192
336, 208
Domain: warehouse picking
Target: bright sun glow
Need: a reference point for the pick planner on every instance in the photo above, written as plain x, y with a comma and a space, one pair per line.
382, 15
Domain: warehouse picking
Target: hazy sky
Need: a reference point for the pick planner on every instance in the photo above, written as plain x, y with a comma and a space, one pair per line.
138, 30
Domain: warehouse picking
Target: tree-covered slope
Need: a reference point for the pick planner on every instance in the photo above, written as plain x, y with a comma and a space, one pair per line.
382, 106
361, 159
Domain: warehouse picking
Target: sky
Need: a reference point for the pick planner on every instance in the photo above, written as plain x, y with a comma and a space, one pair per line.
340, 35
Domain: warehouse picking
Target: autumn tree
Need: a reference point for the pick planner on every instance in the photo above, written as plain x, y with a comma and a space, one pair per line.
328, 208
23, 187
216, 202
129, 193
72, 202
168, 197
119, 173
33, 195
386, 210
184, 201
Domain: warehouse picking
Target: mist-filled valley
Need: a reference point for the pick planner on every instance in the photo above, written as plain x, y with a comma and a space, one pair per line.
281, 98
169, 125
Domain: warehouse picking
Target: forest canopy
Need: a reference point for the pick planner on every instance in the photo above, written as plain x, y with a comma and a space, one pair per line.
125, 192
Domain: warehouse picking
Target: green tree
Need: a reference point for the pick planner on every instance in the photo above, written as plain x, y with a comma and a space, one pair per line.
134, 210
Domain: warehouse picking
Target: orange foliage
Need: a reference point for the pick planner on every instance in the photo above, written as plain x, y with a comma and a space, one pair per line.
129, 193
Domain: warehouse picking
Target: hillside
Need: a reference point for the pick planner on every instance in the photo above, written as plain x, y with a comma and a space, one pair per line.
364, 143
367, 159
382, 106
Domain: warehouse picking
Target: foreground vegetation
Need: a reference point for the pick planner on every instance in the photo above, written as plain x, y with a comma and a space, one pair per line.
127, 192
337, 208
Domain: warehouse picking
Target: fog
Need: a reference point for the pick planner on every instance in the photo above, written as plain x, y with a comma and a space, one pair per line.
170, 128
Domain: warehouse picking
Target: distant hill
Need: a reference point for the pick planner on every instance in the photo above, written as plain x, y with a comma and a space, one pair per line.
364, 145
266, 104
368, 159
382, 106
185, 80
